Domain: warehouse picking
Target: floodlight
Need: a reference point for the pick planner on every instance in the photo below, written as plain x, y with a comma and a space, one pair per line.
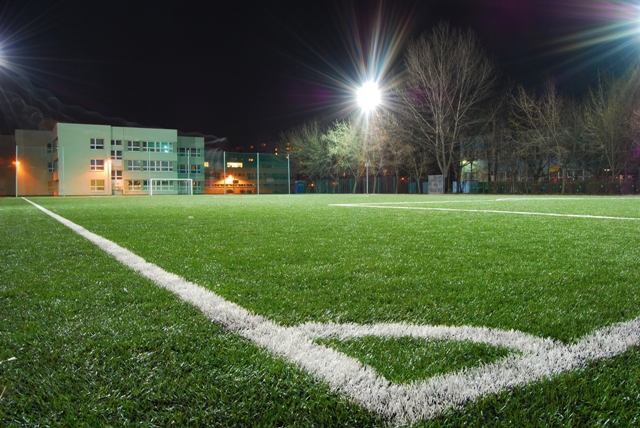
369, 96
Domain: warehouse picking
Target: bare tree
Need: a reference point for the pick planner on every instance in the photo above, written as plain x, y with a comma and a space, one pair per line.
395, 143
547, 125
417, 163
494, 146
610, 117
448, 78
310, 150
346, 149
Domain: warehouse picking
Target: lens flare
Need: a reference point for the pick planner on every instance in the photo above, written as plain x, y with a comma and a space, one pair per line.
604, 34
367, 47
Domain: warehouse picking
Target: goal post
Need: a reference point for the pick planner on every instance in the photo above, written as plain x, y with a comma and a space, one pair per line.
172, 185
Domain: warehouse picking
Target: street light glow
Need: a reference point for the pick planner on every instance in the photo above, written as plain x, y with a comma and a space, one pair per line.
369, 96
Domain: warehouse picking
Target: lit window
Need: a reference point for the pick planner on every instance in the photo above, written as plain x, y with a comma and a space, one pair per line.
97, 164
97, 185
134, 185
97, 143
166, 147
206, 164
234, 164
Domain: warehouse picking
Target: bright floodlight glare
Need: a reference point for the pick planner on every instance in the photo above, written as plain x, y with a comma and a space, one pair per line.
369, 96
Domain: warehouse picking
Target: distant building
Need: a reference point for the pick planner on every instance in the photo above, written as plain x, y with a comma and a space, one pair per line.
80, 159
247, 173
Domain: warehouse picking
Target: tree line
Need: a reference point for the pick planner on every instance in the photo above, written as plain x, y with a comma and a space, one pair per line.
451, 107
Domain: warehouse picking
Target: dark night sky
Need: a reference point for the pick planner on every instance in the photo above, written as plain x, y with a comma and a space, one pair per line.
247, 69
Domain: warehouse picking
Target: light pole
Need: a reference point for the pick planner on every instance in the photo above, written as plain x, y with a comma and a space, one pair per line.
368, 99
109, 184
17, 164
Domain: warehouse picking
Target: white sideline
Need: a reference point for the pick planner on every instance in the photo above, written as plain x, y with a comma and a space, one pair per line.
482, 211
399, 403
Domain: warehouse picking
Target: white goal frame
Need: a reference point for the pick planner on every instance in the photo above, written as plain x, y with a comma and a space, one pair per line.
188, 180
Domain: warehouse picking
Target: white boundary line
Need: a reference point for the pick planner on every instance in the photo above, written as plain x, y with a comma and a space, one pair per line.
457, 201
380, 206
400, 403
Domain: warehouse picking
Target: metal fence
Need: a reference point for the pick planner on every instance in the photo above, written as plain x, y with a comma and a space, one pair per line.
246, 173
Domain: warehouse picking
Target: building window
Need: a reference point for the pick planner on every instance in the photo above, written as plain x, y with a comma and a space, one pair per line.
166, 147
197, 185
167, 166
116, 154
151, 165
116, 174
134, 185
192, 152
159, 185
97, 185
51, 186
234, 164
97, 164
97, 143
133, 146
52, 166
194, 169
133, 165
116, 143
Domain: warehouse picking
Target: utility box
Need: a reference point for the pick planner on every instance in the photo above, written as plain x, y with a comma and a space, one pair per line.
298, 187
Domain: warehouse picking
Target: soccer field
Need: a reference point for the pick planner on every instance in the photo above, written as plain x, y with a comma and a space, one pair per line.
431, 310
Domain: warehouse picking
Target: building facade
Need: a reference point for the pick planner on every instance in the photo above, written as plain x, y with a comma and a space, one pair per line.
80, 159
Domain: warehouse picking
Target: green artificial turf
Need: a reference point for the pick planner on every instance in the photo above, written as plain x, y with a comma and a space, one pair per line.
96, 345
296, 259
405, 359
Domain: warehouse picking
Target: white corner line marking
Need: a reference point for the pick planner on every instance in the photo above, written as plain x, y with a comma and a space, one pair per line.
400, 403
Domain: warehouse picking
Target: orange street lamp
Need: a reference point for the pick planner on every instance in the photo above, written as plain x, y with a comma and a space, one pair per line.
17, 164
